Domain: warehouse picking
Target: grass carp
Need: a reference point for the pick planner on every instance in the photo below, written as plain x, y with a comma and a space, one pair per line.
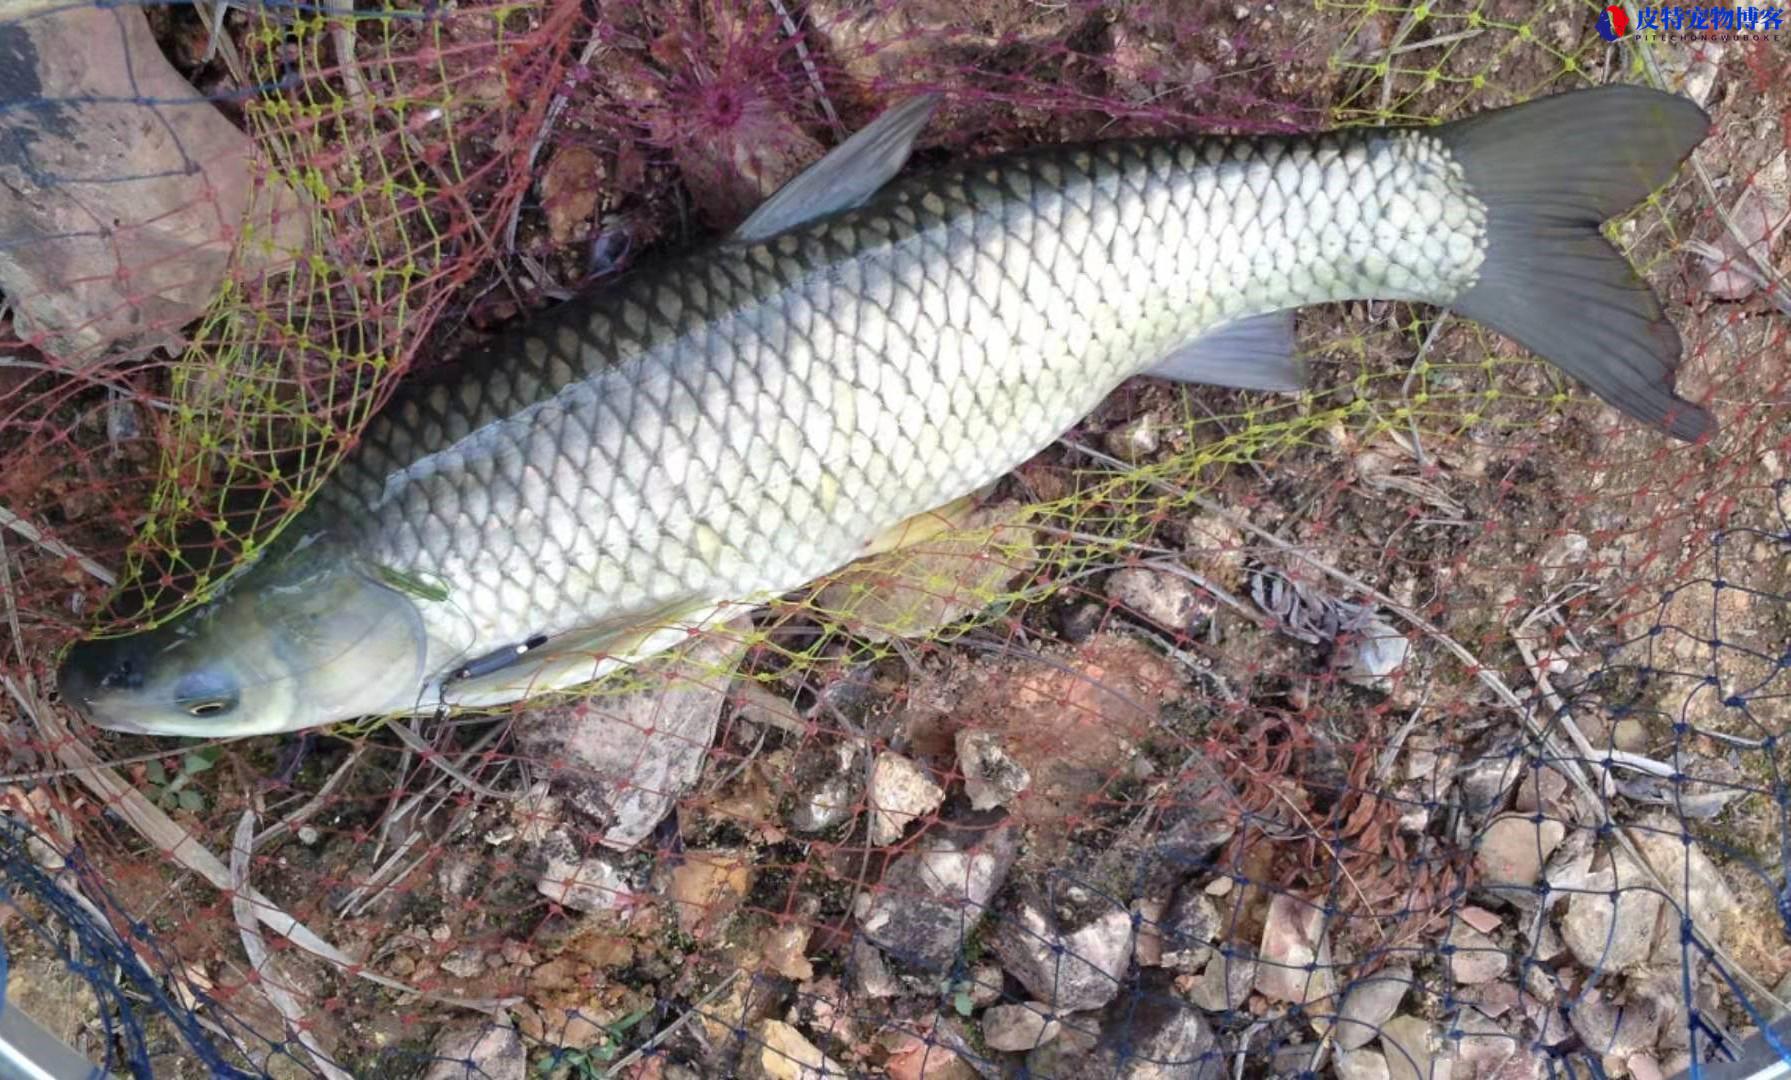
733, 423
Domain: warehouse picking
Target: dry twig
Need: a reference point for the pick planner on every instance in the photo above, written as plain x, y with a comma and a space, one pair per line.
149, 822
55, 547
269, 980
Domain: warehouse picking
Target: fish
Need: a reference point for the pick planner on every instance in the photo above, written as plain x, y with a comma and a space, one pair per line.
723, 426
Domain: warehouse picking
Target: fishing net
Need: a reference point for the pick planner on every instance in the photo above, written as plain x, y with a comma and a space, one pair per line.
1426, 723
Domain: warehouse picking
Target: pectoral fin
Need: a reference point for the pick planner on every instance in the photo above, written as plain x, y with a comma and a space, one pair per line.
954, 516
590, 652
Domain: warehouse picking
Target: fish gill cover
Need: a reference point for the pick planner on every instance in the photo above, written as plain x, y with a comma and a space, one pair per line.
1430, 720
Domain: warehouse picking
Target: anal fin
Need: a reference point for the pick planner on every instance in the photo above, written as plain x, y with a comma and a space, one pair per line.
1256, 353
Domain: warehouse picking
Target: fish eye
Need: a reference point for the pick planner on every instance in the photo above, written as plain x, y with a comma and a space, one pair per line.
205, 694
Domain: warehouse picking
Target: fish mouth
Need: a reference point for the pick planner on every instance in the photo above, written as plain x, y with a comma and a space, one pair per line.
93, 671
108, 722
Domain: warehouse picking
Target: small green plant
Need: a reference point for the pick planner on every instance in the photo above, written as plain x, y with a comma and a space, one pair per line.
961, 1001
177, 790
589, 1063
959, 993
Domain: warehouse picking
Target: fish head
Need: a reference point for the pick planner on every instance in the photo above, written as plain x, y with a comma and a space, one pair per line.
300, 639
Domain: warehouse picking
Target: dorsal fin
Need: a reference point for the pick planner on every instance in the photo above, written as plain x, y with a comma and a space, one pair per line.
846, 176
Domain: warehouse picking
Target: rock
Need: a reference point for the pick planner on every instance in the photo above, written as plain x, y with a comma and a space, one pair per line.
984, 984
1614, 1030
943, 1054
572, 1027
1422, 755
1019, 1027
1698, 886
1486, 1051
1512, 851
1202, 819
1157, 1037
1214, 546
992, 777
1474, 957
1408, 1044
1372, 655
1296, 954
583, 884
1546, 1019
706, 887
1147, 916
932, 1056
1611, 929
569, 187
1362, 1065
781, 1053
932, 897
1542, 791
1134, 440
829, 782
1189, 928
1494, 999
1225, 984
1077, 622
1157, 596
785, 951
466, 962
1414, 817
869, 972
822, 1005
1370, 1002
1072, 1053
1479, 918
1070, 950
1075, 717
628, 758
1486, 783
1547, 944
1630, 734
1292, 1055
962, 1057
900, 792
1759, 214
132, 198
1569, 870
480, 1052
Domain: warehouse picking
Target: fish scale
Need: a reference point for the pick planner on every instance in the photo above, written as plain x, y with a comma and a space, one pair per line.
660, 440
728, 425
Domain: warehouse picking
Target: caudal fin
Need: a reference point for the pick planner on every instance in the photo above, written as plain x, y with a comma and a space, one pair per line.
1550, 171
